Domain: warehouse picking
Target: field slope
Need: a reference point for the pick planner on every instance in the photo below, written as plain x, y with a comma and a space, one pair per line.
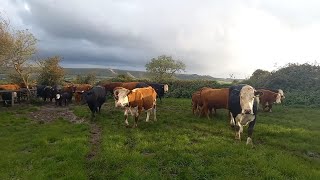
178, 146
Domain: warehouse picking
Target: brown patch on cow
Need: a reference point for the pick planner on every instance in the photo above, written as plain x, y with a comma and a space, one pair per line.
95, 141
49, 113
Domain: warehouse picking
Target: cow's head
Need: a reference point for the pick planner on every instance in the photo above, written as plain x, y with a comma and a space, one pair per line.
281, 93
278, 98
58, 96
121, 96
247, 96
166, 88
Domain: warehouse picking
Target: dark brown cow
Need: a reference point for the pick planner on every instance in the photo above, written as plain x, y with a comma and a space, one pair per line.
79, 90
268, 98
213, 99
109, 87
136, 100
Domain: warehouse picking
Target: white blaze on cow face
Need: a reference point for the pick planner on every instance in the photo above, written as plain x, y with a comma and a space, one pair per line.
166, 88
278, 98
281, 93
58, 96
247, 99
121, 97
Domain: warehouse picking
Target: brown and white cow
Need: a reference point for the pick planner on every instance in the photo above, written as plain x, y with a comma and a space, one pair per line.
136, 100
268, 98
213, 99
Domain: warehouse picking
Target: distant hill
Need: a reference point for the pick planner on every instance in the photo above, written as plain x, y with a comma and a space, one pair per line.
110, 73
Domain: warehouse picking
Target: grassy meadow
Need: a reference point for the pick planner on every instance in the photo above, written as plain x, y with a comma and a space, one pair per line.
178, 146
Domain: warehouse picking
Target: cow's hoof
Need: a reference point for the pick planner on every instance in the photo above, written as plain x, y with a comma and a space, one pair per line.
249, 141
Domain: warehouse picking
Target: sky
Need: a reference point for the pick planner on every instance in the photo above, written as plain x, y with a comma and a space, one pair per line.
212, 37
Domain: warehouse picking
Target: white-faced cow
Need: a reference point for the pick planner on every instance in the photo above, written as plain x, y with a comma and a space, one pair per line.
136, 100
268, 98
243, 109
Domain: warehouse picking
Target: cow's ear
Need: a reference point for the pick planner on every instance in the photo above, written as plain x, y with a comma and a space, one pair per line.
258, 93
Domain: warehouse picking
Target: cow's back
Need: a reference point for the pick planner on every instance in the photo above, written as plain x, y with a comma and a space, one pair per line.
143, 97
215, 98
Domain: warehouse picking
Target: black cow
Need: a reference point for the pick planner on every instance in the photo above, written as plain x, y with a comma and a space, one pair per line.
95, 97
159, 88
63, 97
40, 91
243, 109
7, 97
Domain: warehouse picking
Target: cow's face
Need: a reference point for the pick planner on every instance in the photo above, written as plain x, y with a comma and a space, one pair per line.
278, 98
247, 95
121, 97
58, 96
166, 88
281, 93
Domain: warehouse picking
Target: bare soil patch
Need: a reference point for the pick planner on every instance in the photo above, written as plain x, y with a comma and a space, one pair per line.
49, 113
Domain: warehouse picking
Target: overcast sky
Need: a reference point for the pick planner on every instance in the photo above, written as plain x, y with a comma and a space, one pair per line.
212, 37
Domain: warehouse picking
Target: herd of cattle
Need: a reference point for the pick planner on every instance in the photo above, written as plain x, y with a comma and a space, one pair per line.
241, 101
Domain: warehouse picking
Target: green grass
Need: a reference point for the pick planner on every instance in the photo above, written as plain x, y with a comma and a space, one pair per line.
30, 150
178, 146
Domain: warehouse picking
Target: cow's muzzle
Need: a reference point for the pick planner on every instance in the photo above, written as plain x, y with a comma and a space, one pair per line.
247, 111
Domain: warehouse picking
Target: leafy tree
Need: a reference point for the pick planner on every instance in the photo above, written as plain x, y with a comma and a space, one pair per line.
16, 50
51, 72
88, 79
164, 68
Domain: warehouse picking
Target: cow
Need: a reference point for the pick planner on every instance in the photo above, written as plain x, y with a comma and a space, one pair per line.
7, 96
95, 98
280, 91
40, 91
243, 109
79, 90
196, 101
136, 100
63, 97
48, 93
268, 98
109, 87
161, 89
213, 99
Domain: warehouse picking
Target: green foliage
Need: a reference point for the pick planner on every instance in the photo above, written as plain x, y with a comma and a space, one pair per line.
300, 82
164, 68
51, 72
122, 78
86, 79
185, 89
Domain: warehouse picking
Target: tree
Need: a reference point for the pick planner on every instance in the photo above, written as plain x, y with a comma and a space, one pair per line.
51, 73
164, 68
88, 79
17, 48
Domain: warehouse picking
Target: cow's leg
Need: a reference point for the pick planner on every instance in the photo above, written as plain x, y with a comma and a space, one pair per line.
232, 121
136, 118
155, 113
250, 131
126, 116
148, 115
270, 107
238, 128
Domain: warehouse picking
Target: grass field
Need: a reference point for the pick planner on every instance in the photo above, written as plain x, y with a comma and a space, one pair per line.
177, 146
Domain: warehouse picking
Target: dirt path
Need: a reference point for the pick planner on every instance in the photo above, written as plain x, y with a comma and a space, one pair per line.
95, 140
